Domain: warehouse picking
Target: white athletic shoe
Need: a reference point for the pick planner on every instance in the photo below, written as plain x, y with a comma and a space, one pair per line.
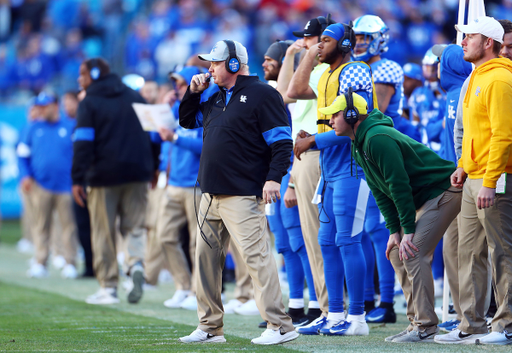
176, 300
270, 336
190, 303
416, 336
391, 338
69, 271
37, 270
500, 338
230, 307
199, 336
127, 285
353, 326
25, 246
164, 276
458, 337
149, 287
104, 296
248, 308
58, 262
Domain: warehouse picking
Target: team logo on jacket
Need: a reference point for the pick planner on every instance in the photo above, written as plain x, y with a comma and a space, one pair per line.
477, 91
243, 99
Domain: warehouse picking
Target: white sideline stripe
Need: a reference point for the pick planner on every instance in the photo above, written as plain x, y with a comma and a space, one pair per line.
362, 202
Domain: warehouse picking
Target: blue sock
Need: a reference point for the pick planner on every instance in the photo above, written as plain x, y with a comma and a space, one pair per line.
294, 273
307, 271
333, 270
355, 271
437, 262
386, 271
369, 255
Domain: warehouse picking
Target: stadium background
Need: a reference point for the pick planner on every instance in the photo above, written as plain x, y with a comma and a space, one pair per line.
43, 42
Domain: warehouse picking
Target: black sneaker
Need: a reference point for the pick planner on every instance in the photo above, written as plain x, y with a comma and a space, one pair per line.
298, 316
369, 305
262, 324
384, 313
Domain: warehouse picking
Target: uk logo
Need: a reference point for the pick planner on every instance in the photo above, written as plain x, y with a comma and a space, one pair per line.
307, 25
243, 99
477, 91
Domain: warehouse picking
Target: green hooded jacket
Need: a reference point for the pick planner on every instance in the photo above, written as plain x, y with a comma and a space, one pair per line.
403, 174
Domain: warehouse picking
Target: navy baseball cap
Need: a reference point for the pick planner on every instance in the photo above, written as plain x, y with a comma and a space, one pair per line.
44, 99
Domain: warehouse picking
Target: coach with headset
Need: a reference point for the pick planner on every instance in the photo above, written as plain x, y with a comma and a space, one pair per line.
411, 185
246, 152
115, 158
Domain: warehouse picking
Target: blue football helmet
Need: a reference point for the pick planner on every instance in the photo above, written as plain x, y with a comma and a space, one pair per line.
429, 65
375, 36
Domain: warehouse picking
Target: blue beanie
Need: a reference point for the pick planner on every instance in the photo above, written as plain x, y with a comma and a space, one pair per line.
336, 31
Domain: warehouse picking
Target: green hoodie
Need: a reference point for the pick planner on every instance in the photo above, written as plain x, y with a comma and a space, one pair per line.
403, 174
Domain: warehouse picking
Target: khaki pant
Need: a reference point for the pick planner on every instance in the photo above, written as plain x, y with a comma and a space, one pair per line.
243, 287
154, 260
242, 217
45, 203
305, 174
105, 203
483, 231
451, 262
176, 210
27, 218
415, 274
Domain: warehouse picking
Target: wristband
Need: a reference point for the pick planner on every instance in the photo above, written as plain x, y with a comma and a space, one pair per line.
291, 185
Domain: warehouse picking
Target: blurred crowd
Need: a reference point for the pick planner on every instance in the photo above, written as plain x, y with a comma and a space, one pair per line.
42, 42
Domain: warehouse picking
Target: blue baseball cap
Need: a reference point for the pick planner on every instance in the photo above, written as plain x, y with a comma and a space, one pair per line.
44, 99
413, 71
186, 74
335, 31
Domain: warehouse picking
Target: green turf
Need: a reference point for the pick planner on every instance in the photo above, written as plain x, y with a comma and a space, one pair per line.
32, 320
10, 231
50, 315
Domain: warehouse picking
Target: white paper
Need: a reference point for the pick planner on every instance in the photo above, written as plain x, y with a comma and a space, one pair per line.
501, 184
154, 116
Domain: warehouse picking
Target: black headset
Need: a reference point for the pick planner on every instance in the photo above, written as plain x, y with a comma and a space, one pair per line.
232, 62
348, 41
95, 71
350, 114
324, 23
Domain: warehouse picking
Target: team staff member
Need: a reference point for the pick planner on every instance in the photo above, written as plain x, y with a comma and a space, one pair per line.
246, 152
115, 158
305, 172
486, 207
45, 155
404, 176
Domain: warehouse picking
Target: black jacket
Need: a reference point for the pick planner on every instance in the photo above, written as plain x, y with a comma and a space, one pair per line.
110, 146
245, 143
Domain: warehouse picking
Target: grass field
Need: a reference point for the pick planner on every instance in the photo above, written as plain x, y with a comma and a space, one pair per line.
51, 315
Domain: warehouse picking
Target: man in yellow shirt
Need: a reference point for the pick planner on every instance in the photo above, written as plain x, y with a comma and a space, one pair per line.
486, 214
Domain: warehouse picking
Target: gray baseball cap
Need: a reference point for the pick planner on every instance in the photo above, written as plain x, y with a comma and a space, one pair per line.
220, 52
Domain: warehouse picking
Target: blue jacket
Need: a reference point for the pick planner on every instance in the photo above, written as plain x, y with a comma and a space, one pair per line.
454, 70
185, 155
45, 153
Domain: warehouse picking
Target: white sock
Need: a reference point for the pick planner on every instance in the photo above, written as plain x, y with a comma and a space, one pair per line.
297, 303
313, 304
360, 318
337, 317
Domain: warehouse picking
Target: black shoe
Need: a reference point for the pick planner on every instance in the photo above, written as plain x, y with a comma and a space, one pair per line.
314, 314
262, 324
298, 316
384, 313
369, 305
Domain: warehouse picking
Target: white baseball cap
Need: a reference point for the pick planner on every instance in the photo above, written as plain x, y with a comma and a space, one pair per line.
220, 52
484, 25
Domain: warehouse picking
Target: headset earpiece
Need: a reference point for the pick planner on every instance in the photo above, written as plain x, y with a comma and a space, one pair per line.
95, 71
350, 114
232, 62
347, 42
